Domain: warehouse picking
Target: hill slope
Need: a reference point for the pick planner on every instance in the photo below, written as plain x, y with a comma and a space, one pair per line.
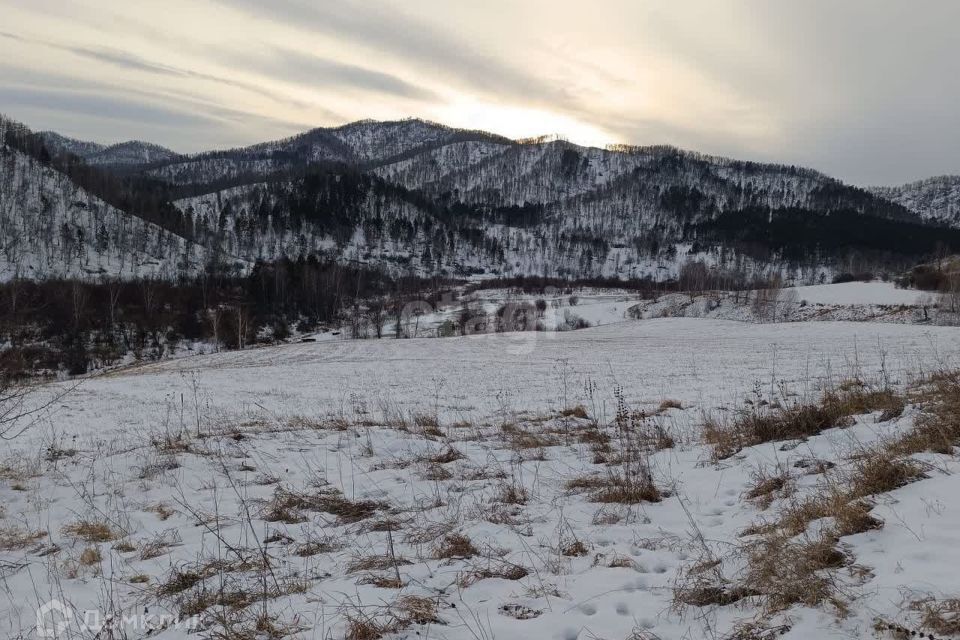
936, 199
50, 227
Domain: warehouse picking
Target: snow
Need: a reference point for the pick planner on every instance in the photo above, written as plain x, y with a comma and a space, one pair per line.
263, 411
50, 228
878, 293
936, 198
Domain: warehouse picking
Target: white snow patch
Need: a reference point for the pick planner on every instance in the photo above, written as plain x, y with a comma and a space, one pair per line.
858, 293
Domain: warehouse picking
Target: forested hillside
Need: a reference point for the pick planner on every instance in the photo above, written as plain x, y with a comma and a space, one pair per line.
417, 198
935, 199
50, 227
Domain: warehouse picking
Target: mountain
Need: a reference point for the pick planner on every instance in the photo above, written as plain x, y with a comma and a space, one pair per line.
365, 143
935, 199
50, 227
133, 152
130, 153
62, 144
540, 206
416, 197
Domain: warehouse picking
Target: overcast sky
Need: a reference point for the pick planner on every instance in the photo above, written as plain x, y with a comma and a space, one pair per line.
864, 90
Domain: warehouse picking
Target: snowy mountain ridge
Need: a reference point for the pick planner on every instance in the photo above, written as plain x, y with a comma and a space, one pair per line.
129, 153
936, 199
50, 227
416, 197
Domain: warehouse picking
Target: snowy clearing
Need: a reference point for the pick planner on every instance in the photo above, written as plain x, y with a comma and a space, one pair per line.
859, 293
422, 488
707, 362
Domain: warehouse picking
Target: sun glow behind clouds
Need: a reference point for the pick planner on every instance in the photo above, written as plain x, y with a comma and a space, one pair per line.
520, 122
843, 87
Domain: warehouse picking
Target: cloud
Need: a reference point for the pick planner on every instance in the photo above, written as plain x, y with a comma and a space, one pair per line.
399, 35
864, 90
100, 105
109, 113
126, 60
312, 71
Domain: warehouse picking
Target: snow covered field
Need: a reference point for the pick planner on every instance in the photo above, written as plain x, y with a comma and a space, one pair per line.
858, 293
707, 362
419, 487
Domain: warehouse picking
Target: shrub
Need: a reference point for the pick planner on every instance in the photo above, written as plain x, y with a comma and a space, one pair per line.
758, 425
937, 428
90, 531
455, 545
669, 404
90, 556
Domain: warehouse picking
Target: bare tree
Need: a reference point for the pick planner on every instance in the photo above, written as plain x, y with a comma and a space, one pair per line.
785, 304
20, 407
765, 300
396, 311
243, 326
377, 310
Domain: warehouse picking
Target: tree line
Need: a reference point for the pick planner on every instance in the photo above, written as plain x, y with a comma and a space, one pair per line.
73, 326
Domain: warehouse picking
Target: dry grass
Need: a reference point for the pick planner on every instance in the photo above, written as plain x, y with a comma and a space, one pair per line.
614, 488
162, 510
90, 531
620, 561
799, 421
124, 546
234, 625
704, 594
12, 538
382, 581
428, 425
90, 556
937, 428
939, 616
455, 545
578, 411
751, 630
786, 572
376, 563
179, 580
669, 404
447, 455
196, 602
399, 615
299, 422
363, 628
519, 439
436, 472
575, 549
502, 570
513, 494
172, 444
415, 610
316, 546
287, 506
767, 487
159, 544
880, 472
784, 566
849, 516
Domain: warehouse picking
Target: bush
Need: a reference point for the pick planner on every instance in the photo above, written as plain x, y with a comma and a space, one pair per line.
756, 426
863, 276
